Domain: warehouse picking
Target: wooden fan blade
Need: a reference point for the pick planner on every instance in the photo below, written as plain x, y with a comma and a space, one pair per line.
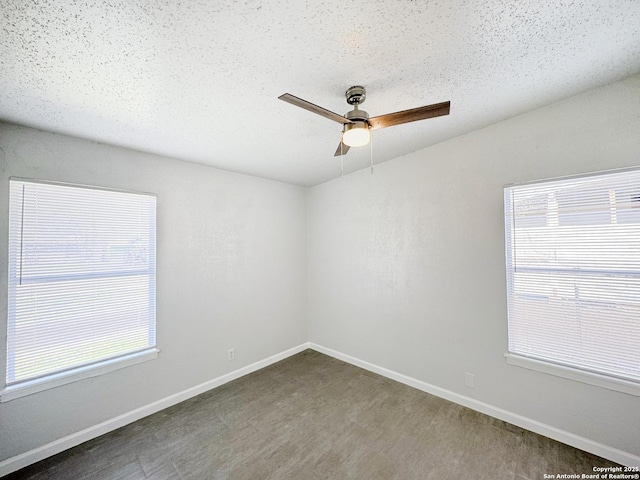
298, 102
411, 115
342, 149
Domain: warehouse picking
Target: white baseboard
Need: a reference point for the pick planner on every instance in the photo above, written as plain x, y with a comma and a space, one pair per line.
20, 461
15, 463
605, 451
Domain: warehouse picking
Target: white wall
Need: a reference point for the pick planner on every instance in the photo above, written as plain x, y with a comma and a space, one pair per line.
231, 272
407, 266
403, 268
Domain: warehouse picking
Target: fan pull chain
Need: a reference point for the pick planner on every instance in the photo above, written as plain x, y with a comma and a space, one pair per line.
371, 149
341, 160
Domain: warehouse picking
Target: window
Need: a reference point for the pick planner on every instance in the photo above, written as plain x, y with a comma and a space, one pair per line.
573, 276
81, 279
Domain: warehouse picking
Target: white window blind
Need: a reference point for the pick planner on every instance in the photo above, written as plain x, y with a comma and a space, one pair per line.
573, 272
81, 277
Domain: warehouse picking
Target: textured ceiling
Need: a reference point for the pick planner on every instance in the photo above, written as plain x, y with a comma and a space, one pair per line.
199, 80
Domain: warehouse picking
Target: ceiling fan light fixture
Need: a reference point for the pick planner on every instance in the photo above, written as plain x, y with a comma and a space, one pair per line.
356, 134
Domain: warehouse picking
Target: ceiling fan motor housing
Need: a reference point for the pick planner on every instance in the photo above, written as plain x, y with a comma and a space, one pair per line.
356, 115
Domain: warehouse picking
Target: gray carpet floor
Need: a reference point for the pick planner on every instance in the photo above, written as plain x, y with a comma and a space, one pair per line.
315, 417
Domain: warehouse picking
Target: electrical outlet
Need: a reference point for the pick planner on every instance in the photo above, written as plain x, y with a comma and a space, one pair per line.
231, 354
470, 380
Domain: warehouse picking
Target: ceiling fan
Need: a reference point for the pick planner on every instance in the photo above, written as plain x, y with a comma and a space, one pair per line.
356, 124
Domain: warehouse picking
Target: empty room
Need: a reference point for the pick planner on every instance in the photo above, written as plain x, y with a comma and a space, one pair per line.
319, 240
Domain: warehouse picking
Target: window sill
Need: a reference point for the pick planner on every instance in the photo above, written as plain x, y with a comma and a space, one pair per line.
610, 383
58, 379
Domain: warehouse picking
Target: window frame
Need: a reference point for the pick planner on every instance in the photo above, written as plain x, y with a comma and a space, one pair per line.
586, 376
75, 373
